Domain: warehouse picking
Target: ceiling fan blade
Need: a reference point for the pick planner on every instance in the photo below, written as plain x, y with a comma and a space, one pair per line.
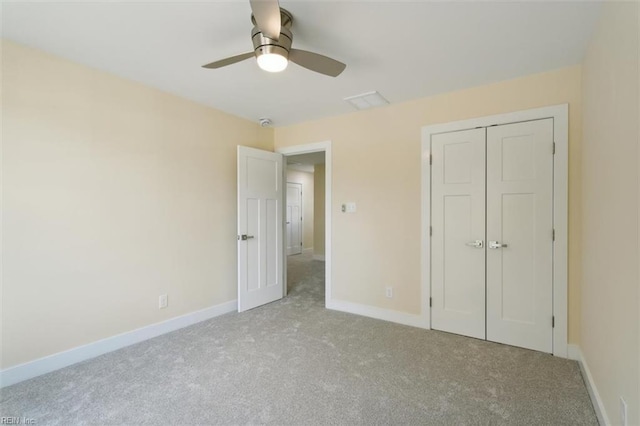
267, 16
228, 61
316, 62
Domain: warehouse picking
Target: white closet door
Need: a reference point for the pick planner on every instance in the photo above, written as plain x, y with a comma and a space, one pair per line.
519, 234
458, 224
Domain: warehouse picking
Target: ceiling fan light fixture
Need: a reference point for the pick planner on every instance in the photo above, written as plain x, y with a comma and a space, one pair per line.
272, 62
272, 48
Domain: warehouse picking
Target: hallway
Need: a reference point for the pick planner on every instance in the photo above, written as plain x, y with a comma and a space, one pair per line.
305, 277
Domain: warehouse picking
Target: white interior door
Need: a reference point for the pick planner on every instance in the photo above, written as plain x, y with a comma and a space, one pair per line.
458, 232
294, 218
260, 246
519, 234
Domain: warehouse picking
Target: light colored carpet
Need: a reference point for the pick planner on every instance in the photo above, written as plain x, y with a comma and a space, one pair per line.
293, 362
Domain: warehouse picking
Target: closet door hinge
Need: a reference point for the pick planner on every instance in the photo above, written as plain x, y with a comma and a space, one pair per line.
431, 230
430, 302
430, 159
553, 234
554, 148
553, 322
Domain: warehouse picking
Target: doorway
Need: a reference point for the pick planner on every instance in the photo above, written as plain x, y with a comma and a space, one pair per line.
316, 157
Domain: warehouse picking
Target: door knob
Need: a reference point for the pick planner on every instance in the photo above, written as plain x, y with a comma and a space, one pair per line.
245, 237
476, 244
496, 245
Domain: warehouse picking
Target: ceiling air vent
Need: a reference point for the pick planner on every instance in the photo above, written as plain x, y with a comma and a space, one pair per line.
367, 100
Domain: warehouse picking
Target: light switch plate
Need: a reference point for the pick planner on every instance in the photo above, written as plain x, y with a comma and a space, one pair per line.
350, 207
163, 301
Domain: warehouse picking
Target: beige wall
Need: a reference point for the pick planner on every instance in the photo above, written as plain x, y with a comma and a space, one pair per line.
319, 206
113, 194
610, 277
306, 180
380, 244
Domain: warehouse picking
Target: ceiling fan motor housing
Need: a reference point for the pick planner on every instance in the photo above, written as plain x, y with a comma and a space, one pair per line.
263, 45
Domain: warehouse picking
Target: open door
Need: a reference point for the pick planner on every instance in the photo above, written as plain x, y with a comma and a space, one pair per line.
260, 245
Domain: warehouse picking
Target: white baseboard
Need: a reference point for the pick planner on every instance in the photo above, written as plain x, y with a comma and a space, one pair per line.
378, 313
575, 354
318, 257
60, 360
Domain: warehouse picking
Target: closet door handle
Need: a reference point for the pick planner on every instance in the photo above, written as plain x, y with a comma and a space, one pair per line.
496, 245
476, 244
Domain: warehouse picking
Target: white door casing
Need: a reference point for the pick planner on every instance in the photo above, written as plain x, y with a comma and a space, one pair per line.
260, 217
520, 234
294, 218
457, 242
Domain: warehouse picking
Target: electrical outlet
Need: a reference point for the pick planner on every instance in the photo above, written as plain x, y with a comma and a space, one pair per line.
623, 412
389, 292
163, 301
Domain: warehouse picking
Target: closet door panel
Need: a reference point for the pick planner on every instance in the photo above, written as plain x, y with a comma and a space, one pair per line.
519, 234
458, 225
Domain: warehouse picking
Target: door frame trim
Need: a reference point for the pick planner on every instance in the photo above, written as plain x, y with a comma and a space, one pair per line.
307, 149
560, 116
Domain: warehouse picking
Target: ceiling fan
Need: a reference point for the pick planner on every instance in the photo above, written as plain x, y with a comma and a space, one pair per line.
272, 40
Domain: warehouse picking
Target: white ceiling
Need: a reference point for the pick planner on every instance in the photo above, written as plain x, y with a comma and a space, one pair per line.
404, 50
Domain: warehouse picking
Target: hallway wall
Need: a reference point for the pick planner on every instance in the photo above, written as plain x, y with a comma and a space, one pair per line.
319, 206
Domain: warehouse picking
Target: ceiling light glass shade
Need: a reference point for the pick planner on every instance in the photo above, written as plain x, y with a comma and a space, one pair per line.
272, 62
